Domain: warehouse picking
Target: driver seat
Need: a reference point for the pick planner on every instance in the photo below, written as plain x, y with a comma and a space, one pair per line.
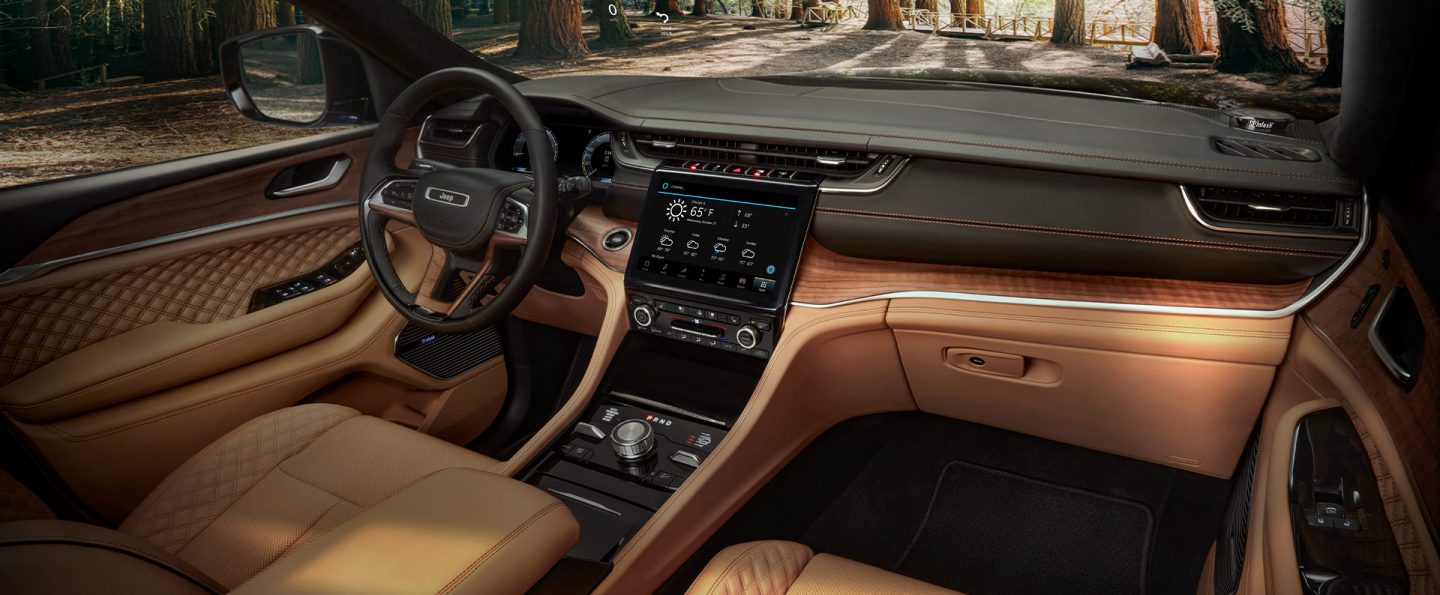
315, 499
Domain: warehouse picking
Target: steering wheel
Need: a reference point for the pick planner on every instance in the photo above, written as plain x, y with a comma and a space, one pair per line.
470, 215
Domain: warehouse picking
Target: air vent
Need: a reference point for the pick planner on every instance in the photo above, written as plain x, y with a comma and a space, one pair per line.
451, 132
1259, 150
839, 163
1275, 209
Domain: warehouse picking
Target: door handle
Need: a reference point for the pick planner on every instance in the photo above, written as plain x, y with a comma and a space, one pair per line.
1398, 336
311, 176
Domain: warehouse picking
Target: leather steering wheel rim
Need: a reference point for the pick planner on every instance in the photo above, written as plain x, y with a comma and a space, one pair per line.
380, 168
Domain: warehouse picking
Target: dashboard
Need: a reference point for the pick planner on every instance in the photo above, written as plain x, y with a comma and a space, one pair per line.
1014, 184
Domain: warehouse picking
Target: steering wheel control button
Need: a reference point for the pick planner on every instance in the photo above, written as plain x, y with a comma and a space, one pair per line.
632, 439
643, 316
688, 459
747, 337
590, 431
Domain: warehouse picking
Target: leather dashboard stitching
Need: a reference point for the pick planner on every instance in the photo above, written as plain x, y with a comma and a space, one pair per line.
1085, 233
469, 570
1240, 170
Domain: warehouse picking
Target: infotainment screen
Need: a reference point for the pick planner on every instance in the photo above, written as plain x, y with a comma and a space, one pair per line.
722, 236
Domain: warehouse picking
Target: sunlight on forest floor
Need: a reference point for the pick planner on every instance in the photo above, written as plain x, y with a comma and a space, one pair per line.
66, 132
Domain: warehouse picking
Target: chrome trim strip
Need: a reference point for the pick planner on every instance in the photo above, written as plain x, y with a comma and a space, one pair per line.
669, 408
844, 187
420, 141
18, 274
584, 500
1374, 334
629, 236
1315, 290
1195, 214
331, 180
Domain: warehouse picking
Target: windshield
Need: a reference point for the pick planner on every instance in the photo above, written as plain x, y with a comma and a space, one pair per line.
1212, 53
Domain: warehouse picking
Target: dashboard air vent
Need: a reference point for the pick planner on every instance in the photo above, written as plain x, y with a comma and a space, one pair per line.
834, 162
451, 132
1259, 150
1277, 209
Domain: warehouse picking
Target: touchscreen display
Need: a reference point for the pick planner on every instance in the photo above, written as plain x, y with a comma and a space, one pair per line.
733, 238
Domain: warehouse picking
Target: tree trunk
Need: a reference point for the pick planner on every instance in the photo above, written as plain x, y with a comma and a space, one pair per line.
1178, 29
234, 18
974, 6
504, 11
44, 51
755, 8
614, 26
930, 5
885, 16
701, 8
169, 39
550, 29
1334, 54
284, 13
668, 7
797, 12
1069, 23
1253, 39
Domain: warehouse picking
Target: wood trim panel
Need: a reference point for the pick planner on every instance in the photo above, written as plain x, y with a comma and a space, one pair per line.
589, 228
213, 200
826, 277
1411, 418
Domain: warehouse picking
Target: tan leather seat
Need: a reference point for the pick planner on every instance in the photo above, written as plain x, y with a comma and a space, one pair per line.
775, 567
314, 499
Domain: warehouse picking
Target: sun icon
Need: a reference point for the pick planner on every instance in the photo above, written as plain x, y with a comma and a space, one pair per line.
676, 210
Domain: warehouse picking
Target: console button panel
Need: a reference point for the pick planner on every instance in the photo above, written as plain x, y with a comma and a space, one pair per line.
709, 326
680, 445
325, 276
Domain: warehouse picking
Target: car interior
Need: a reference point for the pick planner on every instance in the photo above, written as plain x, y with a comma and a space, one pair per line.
626, 333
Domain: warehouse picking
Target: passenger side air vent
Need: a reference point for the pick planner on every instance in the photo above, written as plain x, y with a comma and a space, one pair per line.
833, 162
450, 132
1288, 210
1259, 150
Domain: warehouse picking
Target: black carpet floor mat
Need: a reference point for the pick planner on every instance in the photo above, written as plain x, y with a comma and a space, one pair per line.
983, 511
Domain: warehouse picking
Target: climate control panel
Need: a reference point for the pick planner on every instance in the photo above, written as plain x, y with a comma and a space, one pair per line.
708, 326
653, 447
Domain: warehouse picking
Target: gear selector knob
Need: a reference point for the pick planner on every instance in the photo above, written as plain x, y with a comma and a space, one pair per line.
632, 439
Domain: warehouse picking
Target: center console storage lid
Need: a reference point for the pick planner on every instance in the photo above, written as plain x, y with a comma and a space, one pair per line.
458, 531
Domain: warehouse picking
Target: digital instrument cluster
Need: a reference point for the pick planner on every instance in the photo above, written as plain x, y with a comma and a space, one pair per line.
578, 150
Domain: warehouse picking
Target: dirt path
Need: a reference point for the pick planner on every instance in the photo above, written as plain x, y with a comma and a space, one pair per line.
57, 133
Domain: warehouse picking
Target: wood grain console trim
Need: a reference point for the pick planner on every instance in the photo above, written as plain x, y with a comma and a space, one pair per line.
826, 277
223, 198
589, 229
1411, 417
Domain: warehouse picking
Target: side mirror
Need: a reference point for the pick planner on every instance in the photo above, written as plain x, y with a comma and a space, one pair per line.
298, 76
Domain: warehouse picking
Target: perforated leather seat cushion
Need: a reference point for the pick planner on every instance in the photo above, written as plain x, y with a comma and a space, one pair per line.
280, 481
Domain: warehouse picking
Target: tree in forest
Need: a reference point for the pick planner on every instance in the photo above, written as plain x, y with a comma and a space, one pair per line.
1069, 23
1178, 28
238, 17
1252, 37
884, 16
1332, 14
169, 49
668, 7
284, 13
504, 11
974, 6
614, 26
550, 29
700, 8
436, 13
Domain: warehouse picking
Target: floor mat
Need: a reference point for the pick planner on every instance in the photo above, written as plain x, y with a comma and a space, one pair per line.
1022, 535
983, 510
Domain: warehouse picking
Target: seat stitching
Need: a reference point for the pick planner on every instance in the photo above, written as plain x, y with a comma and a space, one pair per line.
1093, 235
469, 570
720, 578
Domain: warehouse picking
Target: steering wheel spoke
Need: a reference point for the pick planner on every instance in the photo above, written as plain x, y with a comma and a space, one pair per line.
476, 220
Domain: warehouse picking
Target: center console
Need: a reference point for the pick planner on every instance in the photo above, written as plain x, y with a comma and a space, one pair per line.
707, 283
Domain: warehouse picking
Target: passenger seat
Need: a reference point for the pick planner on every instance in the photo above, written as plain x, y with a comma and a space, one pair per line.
775, 567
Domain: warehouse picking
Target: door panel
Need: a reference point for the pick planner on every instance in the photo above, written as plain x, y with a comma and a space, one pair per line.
110, 330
